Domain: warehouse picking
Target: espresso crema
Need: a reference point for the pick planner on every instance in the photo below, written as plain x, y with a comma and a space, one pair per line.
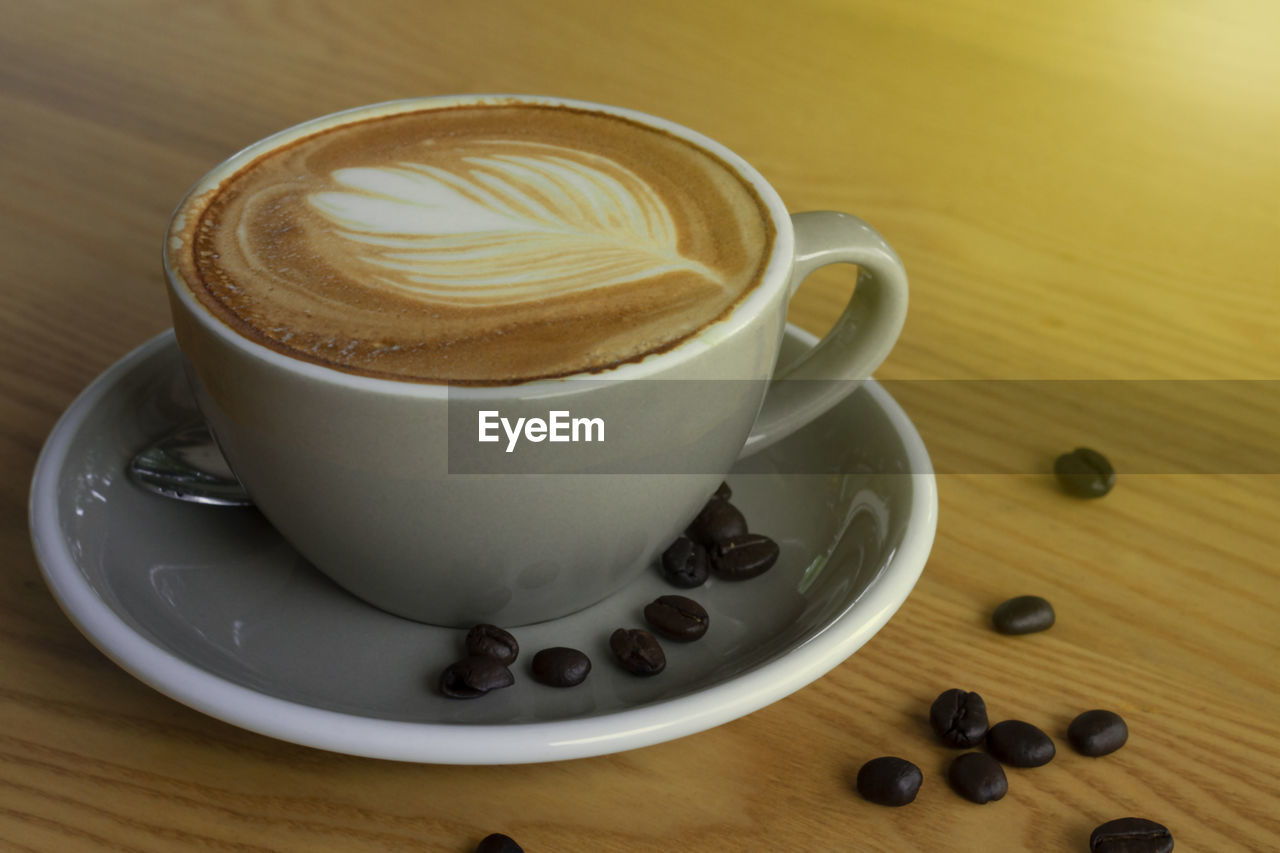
480, 244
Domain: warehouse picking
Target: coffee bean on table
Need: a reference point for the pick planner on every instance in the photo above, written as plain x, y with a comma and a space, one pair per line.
677, 618
493, 642
1084, 473
978, 777
685, 564
638, 651
474, 676
1131, 835
959, 718
724, 492
1098, 732
719, 520
889, 781
1025, 614
1020, 744
559, 666
498, 843
743, 557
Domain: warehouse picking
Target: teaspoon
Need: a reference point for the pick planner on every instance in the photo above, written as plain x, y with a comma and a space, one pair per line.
187, 465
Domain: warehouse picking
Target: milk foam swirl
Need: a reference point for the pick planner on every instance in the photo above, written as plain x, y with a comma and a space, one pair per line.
484, 244
533, 221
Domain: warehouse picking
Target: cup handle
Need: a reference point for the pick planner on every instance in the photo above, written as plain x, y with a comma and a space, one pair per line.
860, 338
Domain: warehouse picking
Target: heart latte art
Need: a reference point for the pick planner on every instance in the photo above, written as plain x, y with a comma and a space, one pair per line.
476, 245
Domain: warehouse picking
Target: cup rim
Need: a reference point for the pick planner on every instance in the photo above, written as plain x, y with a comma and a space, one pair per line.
773, 281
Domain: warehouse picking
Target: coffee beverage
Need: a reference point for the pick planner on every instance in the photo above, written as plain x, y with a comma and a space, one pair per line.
489, 243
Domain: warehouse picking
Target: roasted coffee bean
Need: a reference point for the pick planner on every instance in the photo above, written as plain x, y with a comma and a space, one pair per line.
724, 492
474, 676
685, 564
959, 718
889, 781
498, 843
638, 651
1097, 733
1020, 744
490, 641
1025, 614
677, 618
1131, 835
718, 521
743, 557
559, 666
1085, 473
978, 777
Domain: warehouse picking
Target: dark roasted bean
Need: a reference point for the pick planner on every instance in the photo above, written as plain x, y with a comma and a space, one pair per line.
959, 718
718, 521
1020, 744
743, 557
889, 781
492, 642
1096, 733
1025, 614
677, 618
498, 843
474, 676
638, 651
724, 492
561, 667
1131, 835
685, 564
1084, 473
978, 777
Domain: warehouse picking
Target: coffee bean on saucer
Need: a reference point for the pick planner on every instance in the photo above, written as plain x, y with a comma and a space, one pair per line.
978, 778
498, 843
719, 520
492, 642
677, 618
959, 718
638, 651
889, 781
1020, 744
1096, 733
743, 557
724, 492
474, 676
684, 564
1025, 614
1084, 473
559, 666
1131, 835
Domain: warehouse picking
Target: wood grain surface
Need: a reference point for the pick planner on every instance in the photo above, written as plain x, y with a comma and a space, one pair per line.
1084, 190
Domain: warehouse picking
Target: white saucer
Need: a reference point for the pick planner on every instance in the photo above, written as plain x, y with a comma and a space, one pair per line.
210, 607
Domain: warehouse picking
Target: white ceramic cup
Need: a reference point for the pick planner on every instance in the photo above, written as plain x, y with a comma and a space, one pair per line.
359, 475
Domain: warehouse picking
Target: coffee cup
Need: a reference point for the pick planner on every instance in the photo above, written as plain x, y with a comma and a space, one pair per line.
367, 303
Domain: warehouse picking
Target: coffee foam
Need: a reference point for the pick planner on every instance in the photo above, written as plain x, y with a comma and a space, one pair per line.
485, 244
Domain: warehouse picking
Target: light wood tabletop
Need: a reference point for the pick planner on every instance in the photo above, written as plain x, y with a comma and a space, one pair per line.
1084, 191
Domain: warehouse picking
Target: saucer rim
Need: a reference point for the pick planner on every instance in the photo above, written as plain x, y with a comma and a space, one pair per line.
454, 743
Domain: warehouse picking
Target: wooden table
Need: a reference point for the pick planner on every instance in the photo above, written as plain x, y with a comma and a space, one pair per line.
1085, 190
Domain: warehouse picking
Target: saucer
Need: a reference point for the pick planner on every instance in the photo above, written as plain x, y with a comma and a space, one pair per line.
211, 607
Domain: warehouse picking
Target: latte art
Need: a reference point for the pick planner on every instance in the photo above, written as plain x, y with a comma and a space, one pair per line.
479, 244
533, 223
